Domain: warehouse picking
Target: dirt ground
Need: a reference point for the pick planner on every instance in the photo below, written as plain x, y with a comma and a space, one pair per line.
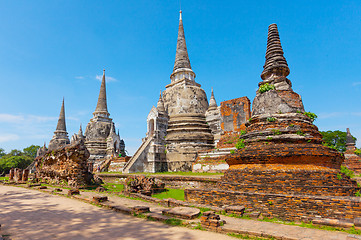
30, 214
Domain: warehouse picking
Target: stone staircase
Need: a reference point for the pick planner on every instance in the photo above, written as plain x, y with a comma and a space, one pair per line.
133, 160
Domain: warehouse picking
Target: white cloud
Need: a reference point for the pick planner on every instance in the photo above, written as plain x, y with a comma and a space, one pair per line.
79, 77
8, 137
356, 113
107, 78
356, 83
329, 115
4, 117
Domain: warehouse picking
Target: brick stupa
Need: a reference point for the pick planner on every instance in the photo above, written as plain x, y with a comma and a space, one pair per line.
282, 144
281, 168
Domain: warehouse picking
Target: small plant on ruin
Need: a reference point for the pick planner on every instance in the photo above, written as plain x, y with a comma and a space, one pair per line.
347, 172
270, 202
271, 119
291, 125
299, 132
280, 112
232, 152
269, 138
309, 140
339, 176
358, 151
358, 194
242, 132
229, 142
311, 115
165, 151
240, 144
250, 119
276, 132
266, 87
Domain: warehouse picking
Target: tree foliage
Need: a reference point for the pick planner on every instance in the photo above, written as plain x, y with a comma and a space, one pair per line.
31, 150
335, 139
16, 158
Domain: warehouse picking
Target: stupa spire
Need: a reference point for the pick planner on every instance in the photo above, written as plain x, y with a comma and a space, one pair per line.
102, 99
80, 132
275, 61
61, 126
181, 58
160, 104
212, 102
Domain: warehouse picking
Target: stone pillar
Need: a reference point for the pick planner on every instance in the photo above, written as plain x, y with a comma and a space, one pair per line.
25, 175
11, 174
18, 175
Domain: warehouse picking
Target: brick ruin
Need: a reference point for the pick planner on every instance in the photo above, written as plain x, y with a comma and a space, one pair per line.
281, 168
65, 165
352, 160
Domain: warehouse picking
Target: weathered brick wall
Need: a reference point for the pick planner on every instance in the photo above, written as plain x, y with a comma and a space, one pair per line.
285, 207
235, 113
352, 161
170, 181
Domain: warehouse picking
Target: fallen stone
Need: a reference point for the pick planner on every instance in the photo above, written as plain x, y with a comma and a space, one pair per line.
254, 214
141, 209
73, 192
333, 222
122, 209
239, 210
100, 189
99, 199
353, 237
182, 212
43, 187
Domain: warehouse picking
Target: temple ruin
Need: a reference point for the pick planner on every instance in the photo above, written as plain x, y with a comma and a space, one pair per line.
352, 160
281, 169
100, 137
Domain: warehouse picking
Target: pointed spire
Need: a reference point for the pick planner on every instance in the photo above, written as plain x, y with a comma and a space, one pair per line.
212, 102
181, 58
275, 61
80, 133
118, 133
349, 138
102, 99
61, 127
160, 104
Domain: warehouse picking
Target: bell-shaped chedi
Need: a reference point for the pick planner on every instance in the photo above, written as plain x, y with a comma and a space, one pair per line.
186, 103
281, 136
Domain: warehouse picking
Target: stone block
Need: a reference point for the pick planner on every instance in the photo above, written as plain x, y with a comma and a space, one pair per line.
182, 212
140, 209
99, 199
73, 192
239, 210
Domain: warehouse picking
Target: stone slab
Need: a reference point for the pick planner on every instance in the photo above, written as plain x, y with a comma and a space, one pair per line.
182, 212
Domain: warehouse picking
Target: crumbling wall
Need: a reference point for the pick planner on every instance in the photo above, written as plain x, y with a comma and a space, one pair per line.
65, 165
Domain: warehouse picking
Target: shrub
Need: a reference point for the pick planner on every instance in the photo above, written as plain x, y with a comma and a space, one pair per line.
358, 151
271, 119
232, 152
276, 132
266, 87
240, 144
242, 132
311, 115
299, 132
347, 172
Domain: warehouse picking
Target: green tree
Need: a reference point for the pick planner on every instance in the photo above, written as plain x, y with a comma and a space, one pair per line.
15, 152
7, 162
335, 139
31, 150
2, 152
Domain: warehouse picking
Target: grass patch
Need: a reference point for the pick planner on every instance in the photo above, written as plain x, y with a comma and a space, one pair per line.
4, 178
171, 193
113, 187
173, 222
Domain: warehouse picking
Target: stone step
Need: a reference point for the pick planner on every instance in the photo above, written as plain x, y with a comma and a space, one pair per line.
216, 153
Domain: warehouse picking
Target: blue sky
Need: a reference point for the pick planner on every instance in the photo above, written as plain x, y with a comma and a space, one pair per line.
51, 49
